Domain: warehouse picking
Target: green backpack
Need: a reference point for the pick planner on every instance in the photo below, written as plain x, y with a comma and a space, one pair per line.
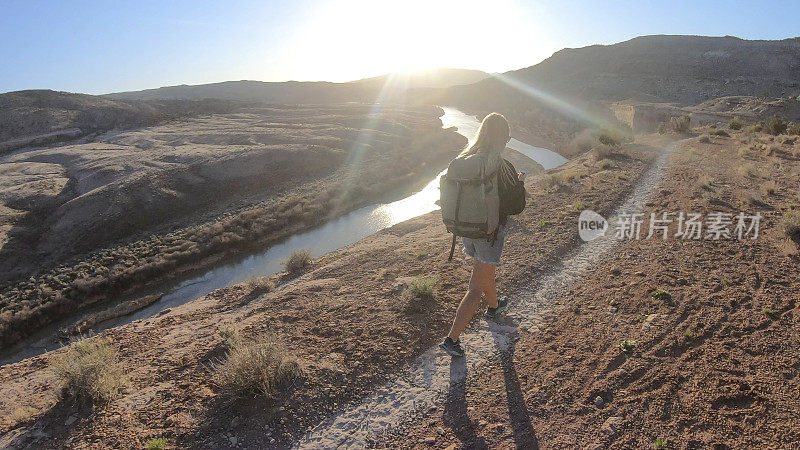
469, 197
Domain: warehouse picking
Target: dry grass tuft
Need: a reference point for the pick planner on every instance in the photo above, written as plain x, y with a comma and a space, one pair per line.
423, 287
748, 170
705, 139
790, 223
298, 261
258, 367
89, 371
769, 188
260, 285
705, 181
604, 164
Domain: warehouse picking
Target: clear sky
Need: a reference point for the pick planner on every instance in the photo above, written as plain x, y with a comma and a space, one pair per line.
109, 46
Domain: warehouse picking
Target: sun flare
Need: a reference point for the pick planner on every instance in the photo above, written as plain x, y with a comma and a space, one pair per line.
352, 39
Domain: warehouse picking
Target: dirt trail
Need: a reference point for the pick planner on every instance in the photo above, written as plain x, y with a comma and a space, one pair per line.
434, 372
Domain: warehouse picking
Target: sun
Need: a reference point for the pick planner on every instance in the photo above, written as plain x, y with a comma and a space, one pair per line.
351, 39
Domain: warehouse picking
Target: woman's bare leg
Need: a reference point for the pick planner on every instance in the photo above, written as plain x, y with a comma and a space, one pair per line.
481, 282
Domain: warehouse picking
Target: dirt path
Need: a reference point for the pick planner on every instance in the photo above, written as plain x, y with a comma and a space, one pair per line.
435, 373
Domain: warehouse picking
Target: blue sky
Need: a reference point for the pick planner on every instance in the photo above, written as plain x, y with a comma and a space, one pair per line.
103, 46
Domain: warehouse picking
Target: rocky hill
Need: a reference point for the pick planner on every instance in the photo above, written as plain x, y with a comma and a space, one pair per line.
681, 69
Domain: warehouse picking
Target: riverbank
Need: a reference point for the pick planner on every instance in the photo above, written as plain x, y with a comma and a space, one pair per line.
385, 163
350, 320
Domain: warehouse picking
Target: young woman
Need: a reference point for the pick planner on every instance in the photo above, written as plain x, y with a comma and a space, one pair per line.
492, 138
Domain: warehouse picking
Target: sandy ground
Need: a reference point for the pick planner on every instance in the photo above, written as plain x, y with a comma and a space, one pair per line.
713, 367
354, 329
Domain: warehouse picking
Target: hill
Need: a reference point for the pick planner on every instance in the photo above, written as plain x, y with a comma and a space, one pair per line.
37, 117
681, 69
296, 92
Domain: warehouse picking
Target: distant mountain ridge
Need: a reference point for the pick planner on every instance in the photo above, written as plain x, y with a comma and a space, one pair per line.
682, 69
390, 86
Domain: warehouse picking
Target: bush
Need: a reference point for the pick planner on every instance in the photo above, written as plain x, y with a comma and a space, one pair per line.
89, 371
774, 126
258, 367
663, 128
260, 285
794, 129
605, 164
790, 223
722, 133
298, 261
156, 444
423, 287
754, 128
680, 124
628, 346
736, 124
705, 139
662, 295
769, 188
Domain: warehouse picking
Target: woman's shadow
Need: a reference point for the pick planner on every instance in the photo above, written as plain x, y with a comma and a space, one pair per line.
456, 415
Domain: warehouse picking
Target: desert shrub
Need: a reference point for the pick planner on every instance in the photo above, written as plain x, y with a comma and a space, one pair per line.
608, 138
794, 129
774, 126
603, 151
156, 444
748, 170
628, 346
790, 223
258, 367
769, 188
584, 141
743, 152
423, 287
736, 123
722, 133
298, 261
260, 285
89, 371
660, 444
705, 181
680, 124
756, 128
662, 295
704, 139
604, 164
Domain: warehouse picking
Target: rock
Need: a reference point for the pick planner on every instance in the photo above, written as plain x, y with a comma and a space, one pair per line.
70, 420
612, 425
235, 422
233, 440
482, 423
648, 321
440, 430
498, 427
598, 401
612, 309
430, 440
451, 447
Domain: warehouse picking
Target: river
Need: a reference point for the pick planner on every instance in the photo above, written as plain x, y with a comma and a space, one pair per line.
345, 230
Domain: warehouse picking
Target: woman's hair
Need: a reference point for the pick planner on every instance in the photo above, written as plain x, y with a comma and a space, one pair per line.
491, 138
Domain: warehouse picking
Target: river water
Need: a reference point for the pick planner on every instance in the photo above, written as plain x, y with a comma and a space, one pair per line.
345, 230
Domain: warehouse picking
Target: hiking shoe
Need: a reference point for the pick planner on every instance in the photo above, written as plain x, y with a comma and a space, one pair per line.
502, 305
451, 347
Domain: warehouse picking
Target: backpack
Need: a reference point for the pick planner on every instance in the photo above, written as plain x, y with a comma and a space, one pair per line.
469, 198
